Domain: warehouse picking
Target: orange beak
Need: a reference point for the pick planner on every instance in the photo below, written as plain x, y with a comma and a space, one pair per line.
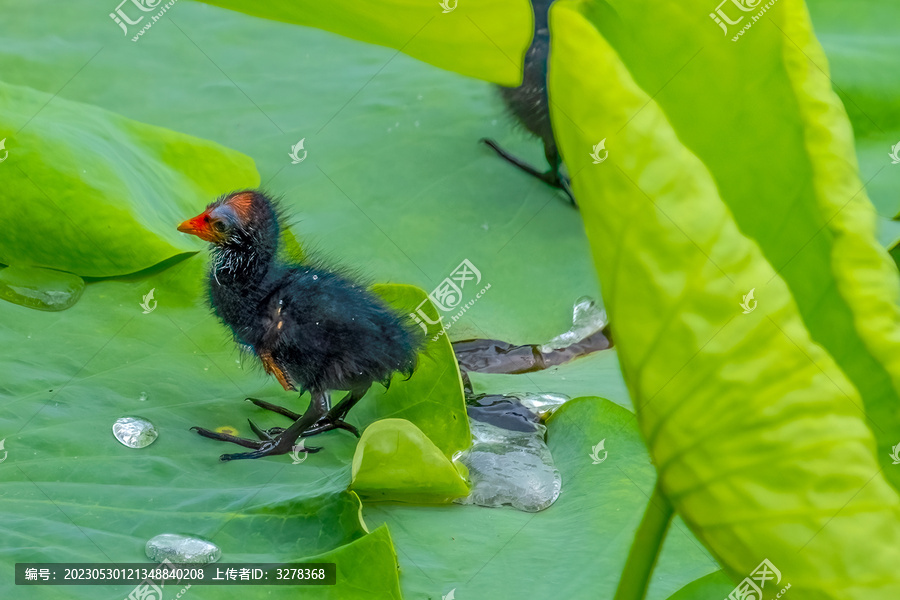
199, 226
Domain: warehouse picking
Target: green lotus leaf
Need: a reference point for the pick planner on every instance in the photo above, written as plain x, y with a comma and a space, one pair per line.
365, 568
744, 414
863, 49
97, 194
800, 199
395, 461
714, 586
485, 39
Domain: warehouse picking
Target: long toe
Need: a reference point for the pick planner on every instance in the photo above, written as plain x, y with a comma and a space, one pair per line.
260, 433
275, 408
347, 427
240, 455
279, 445
225, 437
323, 426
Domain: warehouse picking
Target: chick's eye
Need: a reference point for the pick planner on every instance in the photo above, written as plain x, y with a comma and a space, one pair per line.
218, 226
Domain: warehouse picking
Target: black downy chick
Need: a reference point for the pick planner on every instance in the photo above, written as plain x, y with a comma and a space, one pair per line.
530, 104
312, 328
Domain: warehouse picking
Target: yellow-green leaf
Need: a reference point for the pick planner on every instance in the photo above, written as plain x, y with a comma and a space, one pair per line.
485, 39
760, 440
395, 461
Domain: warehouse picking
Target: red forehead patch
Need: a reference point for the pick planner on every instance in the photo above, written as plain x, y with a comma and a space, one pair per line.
240, 203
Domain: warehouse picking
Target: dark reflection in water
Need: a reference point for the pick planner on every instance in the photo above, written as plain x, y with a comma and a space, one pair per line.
506, 412
495, 356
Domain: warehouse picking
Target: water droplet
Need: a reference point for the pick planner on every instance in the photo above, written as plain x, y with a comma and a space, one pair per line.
315, 277
182, 549
587, 318
41, 289
135, 432
510, 468
541, 404
143, 397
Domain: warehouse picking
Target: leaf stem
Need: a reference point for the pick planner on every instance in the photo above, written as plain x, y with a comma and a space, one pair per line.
645, 548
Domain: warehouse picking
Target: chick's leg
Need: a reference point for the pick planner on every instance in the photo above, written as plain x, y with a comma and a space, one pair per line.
552, 177
283, 443
275, 408
334, 417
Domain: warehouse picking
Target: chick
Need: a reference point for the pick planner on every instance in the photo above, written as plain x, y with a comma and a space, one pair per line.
313, 328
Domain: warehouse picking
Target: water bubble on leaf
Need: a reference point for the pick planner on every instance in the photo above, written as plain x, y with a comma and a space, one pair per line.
143, 397
512, 468
41, 289
179, 548
587, 318
541, 404
135, 432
